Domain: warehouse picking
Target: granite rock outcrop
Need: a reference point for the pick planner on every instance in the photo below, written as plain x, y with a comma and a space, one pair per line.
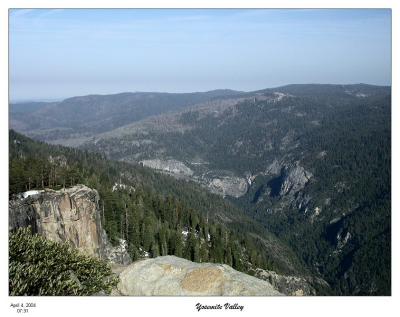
67, 215
173, 276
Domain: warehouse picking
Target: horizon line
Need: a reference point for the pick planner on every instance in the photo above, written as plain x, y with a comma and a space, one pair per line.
60, 99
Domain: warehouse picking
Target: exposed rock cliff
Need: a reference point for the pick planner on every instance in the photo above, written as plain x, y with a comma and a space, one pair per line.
218, 183
294, 179
288, 285
170, 166
66, 215
290, 178
170, 275
229, 186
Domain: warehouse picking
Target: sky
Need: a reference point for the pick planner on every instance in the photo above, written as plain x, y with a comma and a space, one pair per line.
59, 53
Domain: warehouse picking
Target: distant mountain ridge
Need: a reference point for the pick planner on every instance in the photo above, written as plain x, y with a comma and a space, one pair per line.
75, 120
91, 114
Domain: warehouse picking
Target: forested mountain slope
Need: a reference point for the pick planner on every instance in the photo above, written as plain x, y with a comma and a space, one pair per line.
310, 163
74, 119
155, 214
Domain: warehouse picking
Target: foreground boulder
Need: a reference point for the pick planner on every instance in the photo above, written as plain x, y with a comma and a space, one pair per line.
170, 275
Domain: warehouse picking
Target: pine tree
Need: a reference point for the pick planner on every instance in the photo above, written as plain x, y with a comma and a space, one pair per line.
196, 251
154, 250
204, 252
163, 240
134, 225
147, 233
178, 244
228, 256
133, 252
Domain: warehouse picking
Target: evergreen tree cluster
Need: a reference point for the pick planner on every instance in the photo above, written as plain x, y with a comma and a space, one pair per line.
153, 223
351, 185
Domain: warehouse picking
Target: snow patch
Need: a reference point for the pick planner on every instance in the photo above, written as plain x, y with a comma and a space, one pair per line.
356, 94
31, 193
119, 186
185, 233
250, 178
361, 95
279, 95
145, 254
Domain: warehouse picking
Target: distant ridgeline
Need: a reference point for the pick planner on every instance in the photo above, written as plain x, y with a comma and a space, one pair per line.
155, 214
303, 174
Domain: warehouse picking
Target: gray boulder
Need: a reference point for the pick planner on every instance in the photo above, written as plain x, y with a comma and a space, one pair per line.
172, 276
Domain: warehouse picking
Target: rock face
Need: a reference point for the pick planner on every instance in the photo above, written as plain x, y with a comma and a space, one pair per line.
229, 186
221, 185
291, 178
170, 166
66, 215
294, 179
116, 254
170, 275
288, 285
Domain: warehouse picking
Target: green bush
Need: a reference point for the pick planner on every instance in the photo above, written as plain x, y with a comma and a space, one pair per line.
42, 267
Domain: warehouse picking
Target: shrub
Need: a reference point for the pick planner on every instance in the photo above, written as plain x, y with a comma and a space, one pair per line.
42, 267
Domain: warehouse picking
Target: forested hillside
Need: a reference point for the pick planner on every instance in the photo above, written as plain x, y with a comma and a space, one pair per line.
310, 163
80, 117
340, 223
303, 174
155, 214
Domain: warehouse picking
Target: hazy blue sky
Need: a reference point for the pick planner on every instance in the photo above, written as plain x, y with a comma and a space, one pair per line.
62, 53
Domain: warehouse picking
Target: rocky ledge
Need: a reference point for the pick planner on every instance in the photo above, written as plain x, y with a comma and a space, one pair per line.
67, 215
228, 186
172, 276
288, 285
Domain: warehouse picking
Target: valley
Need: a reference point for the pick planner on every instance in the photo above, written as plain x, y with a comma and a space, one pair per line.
302, 173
